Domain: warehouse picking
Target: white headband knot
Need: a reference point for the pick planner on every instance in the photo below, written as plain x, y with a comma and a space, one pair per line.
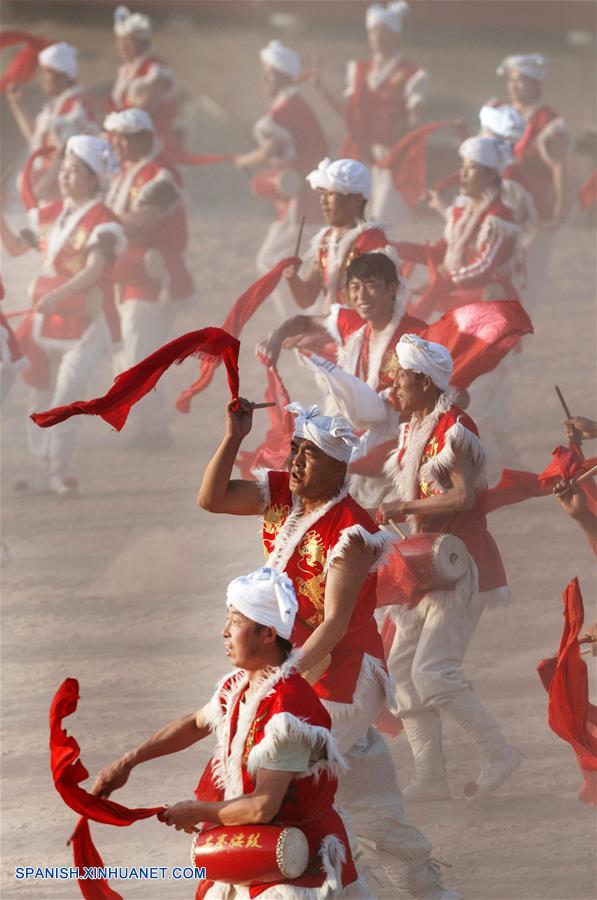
495, 153
266, 597
62, 58
281, 58
129, 121
530, 64
343, 176
126, 22
391, 16
426, 358
503, 122
332, 434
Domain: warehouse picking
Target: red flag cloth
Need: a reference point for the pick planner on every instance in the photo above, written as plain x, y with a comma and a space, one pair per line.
130, 386
273, 452
479, 336
407, 162
566, 463
85, 855
587, 194
28, 197
23, 65
242, 310
570, 714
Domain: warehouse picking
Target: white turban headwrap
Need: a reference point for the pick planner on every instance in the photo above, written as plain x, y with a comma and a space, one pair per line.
530, 64
281, 58
126, 22
503, 121
491, 152
266, 597
332, 434
344, 176
61, 57
427, 358
129, 121
95, 152
390, 16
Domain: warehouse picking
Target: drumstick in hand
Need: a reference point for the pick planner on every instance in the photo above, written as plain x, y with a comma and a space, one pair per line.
397, 529
262, 405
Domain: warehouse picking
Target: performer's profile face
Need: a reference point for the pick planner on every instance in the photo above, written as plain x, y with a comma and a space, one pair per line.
76, 179
126, 47
521, 88
243, 640
475, 178
53, 83
313, 474
410, 390
383, 40
372, 297
338, 209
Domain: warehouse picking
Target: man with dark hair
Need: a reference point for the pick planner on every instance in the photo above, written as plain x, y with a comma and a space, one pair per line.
366, 334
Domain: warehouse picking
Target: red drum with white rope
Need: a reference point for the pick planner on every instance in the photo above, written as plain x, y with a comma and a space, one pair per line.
436, 560
277, 185
251, 854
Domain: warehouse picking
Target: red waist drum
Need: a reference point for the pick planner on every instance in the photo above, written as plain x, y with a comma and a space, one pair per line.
251, 854
277, 184
436, 560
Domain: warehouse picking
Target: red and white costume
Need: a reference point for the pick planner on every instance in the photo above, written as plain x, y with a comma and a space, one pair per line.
133, 77
299, 145
432, 638
284, 711
12, 358
379, 99
333, 251
146, 297
353, 689
66, 346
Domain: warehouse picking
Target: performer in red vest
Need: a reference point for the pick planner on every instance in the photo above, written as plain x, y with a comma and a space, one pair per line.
143, 79
65, 113
344, 187
275, 759
74, 320
12, 358
290, 142
151, 275
366, 334
439, 473
329, 546
384, 97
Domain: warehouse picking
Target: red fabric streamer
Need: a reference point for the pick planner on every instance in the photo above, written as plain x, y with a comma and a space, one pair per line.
68, 772
479, 336
22, 67
133, 384
570, 714
587, 194
273, 452
28, 197
242, 310
406, 160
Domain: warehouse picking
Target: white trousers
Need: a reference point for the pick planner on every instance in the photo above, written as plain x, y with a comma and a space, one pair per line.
370, 795
145, 327
70, 372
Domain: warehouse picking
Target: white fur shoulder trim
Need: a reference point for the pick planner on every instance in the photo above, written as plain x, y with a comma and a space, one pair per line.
262, 480
114, 229
377, 541
331, 323
458, 440
288, 728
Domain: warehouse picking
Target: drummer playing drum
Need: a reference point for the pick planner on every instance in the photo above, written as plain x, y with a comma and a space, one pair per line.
439, 473
275, 758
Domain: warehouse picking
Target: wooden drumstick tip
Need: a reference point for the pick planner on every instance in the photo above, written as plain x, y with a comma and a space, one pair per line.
591, 472
262, 405
397, 529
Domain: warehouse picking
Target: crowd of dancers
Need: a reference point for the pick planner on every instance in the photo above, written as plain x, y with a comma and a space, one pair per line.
395, 437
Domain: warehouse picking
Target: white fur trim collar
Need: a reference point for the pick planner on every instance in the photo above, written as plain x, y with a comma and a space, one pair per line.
295, 527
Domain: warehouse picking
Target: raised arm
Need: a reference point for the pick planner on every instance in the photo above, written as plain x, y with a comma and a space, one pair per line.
219, 492
268, 350
78, 284
175, 736
344, 581
304, 290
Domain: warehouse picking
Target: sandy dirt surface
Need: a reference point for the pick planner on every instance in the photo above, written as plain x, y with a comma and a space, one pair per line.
123, 586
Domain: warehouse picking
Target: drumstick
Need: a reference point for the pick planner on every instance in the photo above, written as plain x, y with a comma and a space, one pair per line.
397, 529
5, 176
262, 405
575, 435
300, 237
588, 474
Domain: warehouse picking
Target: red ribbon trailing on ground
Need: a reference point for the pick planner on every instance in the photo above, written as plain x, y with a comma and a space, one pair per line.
22, 67
212, 344
242, 310
68, 772
564, 677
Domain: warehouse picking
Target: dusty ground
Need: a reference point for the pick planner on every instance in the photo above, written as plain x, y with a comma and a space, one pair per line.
122, 587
